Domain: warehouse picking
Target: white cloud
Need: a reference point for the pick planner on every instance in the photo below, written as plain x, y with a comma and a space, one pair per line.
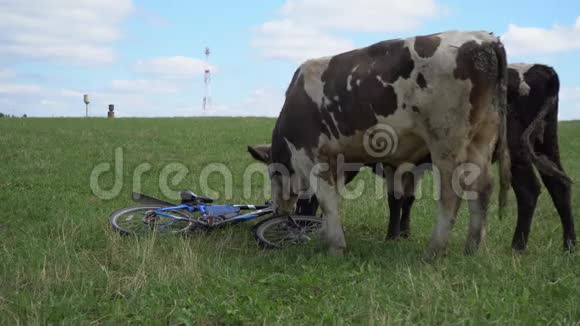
127, 104
569, 107
6, 73
569, 112
304, 29
361, 15
78, 31
525, 40
50, 103
173, 67
20, 89
287, 40
264, 101
152, 18
144, 86
53, 103
570, 93
71, 93
261, 102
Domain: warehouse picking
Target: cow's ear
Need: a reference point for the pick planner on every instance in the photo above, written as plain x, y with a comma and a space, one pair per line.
262, 153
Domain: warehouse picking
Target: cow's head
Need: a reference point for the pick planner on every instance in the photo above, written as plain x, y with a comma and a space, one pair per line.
285, 183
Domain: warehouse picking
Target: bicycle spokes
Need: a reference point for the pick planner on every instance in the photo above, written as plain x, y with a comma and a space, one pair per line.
292, 232
141, 220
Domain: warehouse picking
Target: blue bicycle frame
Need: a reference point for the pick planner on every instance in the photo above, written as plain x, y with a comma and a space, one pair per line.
204, 211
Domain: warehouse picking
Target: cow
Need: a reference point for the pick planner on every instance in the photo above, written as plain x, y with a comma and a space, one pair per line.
532, 134
443, 94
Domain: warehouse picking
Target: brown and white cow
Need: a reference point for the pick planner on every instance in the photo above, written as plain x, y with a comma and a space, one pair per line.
532, 134
443, 94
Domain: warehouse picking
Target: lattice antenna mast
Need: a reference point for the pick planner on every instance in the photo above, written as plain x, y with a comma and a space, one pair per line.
206, 83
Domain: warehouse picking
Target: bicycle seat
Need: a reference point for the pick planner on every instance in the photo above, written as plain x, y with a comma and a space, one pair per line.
189, 196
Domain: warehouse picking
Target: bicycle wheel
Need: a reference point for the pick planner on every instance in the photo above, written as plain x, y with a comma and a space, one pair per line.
279, 232
142, 220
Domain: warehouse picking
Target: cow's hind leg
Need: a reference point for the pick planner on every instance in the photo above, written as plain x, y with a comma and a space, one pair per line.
478, 182
447, 211
527, 189
395, 203
332, 232
400, 203
408, 201
561, 197
478, 202
559, 188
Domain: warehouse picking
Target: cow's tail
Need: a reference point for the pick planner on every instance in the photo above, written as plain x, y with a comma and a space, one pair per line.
502, 108
541, 162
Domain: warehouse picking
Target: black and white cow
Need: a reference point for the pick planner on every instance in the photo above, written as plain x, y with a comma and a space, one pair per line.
533, 142
532, 134
443, 94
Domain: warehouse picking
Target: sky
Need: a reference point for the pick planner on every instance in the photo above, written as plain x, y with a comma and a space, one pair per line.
147, 57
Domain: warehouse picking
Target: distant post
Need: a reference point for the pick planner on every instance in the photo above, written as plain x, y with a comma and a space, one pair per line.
111, 113
86, 100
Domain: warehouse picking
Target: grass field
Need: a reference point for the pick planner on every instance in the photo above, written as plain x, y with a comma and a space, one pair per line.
61, 263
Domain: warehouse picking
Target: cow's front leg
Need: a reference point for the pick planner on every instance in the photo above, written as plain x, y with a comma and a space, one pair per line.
332, 232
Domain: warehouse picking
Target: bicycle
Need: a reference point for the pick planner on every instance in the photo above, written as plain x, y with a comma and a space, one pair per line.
197, 213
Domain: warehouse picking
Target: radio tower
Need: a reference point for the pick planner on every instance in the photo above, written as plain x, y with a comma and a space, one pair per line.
206, 83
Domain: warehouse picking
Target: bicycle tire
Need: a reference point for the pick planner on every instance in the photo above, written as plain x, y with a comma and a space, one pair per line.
307, 228
116, 217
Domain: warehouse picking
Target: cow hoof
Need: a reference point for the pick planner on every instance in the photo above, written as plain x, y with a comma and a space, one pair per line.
569, 245
430, 256
470, 249
392, 237
519, 246
335, 252
405, 234
434, 252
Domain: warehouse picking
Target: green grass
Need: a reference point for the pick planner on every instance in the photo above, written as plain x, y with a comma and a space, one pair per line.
61, 263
